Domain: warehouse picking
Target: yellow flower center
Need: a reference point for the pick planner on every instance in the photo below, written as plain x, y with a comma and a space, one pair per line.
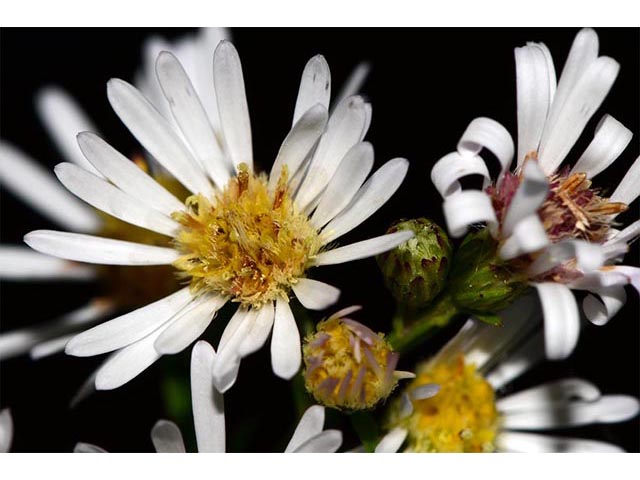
462, 417
246, 242
347, 365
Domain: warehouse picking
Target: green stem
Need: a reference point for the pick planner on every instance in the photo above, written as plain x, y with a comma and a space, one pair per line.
422, 325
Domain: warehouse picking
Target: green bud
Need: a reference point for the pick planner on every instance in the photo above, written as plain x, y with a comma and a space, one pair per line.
480, 282
416, 271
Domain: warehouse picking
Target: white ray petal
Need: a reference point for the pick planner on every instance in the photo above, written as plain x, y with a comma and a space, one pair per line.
536, 83
189, 324
82, 447
127, 329
447, 172
545, 395
364, 249
106, 197
311, 424
425, 391
517, 363
610, 140
536, 443
315, 295
232, 104
392, 441
626, 235
225, 370
38, 188
343, 132
155, 133
192, 118
167, 438
90, 249
298, 143
561, 319
354, 82
315, 87
579, 106
23, 264
599, 312
373, 195
6, 430
607, 409
328, 441
20, 341
589, 256
629, 188
207, 403
232, 325
486, 133
286, 351
63, 119
529, 196
467, 208
528, 236
50, 347
259, 332
126, 175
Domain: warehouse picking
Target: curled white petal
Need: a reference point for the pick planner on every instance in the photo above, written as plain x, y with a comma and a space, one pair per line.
447, 172
486, 133
467, 208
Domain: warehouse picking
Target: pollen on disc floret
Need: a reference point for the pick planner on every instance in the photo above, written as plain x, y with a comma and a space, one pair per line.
246, 242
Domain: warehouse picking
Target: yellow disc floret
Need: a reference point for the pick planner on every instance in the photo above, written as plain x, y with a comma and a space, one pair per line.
246, 242
461, 418
347, 365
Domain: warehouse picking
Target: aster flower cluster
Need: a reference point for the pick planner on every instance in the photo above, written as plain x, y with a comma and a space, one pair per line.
189, 236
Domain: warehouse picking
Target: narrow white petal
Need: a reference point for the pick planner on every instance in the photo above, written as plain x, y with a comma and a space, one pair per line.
344, 130
545, 395
286, 352
561, 319
126, 175
82, 447
529, 196
315, 87
599, 312
344, 185
207, 403
167, 438
90, 249
607, 409
189, 324
528, 236
63, 119
50, 347
106, 197
127, 329
373, 195
328, 441
589, 256
154, 132
6, 430
38, 188
518, 362
192, 118
535, 82
20, 341
259, 332
22, 263
425, 391
368, 113
486, 133
232, 104
311, 424
581, 103
610, 140
299, 142
354, 83
536, 443
364, 249
392, 441
627, 234
447, 172
315, 295
232, 325
467, 208
629, 188
225, 370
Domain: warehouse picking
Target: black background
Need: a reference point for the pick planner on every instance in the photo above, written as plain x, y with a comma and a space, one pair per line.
425, 86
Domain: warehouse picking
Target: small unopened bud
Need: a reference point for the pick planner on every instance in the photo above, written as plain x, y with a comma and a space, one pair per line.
480, 281
347, 365
416, 271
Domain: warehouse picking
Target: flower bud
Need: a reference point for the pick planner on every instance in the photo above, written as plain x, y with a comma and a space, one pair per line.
347, 365
416, 271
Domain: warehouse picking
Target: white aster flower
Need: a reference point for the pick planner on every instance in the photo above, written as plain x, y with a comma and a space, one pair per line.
556, 227
208, 416
240, 237
37, 187
468, 412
